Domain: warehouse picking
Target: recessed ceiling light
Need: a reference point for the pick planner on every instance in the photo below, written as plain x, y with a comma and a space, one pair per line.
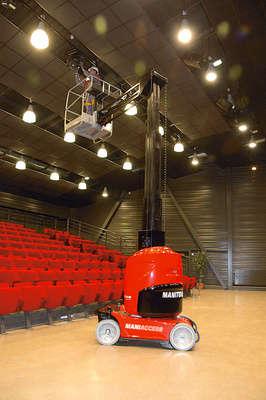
253, 168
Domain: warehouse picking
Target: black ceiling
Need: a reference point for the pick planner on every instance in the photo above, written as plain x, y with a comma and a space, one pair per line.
139, 35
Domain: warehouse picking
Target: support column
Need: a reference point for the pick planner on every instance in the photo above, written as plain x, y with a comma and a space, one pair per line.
152, 234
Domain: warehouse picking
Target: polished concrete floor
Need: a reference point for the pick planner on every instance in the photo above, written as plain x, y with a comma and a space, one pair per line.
64, 362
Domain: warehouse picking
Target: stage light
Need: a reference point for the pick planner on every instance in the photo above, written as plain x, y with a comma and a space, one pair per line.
179, 147
69, 137
253, 168
252, 144
54, 176
195, 160
184, 34
243, 127
29, 115
161, 130
21, 164
218, 62
82, 185
39, 38
211, 75
102, 152
131, 109
127, 165
105, 192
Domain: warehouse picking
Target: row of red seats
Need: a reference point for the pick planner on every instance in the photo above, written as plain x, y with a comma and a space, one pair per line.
56, 274
33, 262
84, 244
33, 245
30, 297
34, 239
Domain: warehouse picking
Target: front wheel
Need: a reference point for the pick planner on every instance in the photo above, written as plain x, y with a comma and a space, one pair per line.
107, 332
183, 337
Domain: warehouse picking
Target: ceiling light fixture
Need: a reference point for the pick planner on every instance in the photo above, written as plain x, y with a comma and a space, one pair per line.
69, 137
184, 34
179, 147
87, 178
105, 192
131, 109
161, 130
54, 176
195, 160
127, 165
21, 164
29, 115
82, 184
253, 168
102, 151
211, 75
217, 63
11, 4
243, 127
252, 144
39, 37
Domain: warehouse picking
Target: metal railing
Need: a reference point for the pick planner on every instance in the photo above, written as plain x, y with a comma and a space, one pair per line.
99, 235
83, 229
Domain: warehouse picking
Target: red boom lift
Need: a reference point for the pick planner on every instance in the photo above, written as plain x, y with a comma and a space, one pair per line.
153, 277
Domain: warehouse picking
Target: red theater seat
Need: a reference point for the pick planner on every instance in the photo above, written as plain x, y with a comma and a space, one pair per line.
9, 300
31, 297
90, 292
105, 290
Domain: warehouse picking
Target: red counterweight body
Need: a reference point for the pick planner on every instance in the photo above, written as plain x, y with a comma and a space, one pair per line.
153, 275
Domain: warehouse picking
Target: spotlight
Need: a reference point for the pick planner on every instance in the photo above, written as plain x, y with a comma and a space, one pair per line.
211, 75
179, 147
82, 185
39, 38
54, 176
195, 160
102, 152
243, 127
69, 137
252, 144
105, 192
29, 115
131, 109
87, 178
127, 165
253, 168
184, 34
161, 130
21, 164
217, 63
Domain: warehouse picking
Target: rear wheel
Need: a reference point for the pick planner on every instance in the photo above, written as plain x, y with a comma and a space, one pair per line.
107, 332
183, 337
